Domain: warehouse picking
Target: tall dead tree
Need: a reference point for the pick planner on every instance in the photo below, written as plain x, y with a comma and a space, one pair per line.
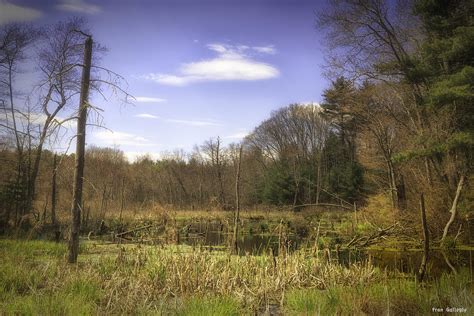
53, 191
426, 240
80, 153
219, 173
237, 200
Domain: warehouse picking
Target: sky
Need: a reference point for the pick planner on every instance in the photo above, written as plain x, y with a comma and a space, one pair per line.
198, 69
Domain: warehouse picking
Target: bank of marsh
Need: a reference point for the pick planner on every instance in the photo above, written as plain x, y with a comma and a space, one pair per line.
35, 279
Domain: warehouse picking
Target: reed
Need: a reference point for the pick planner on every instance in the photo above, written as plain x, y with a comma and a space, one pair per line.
125, 279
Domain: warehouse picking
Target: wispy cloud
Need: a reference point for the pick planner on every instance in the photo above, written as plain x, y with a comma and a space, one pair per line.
231, 63
269, 49
78, 6
241, 50
109, 138
10, 12
149, 100
147, 116
179, 121
194, 122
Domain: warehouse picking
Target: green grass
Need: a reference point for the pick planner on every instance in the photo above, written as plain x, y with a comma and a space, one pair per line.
210, 306
129, 279
389, 297
28, 249
48, 304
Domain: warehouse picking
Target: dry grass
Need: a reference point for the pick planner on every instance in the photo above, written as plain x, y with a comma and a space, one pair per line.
128, 279
157, 212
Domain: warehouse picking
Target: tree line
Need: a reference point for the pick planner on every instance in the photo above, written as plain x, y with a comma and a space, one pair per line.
396, 121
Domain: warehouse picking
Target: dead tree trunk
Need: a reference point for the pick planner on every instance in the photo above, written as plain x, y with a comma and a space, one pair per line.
53, 191
454, 207
393, 184
426, 240
122, 198
237, 201
219, 175
80, 154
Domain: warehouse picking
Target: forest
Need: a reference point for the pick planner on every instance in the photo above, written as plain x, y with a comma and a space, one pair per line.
361, 204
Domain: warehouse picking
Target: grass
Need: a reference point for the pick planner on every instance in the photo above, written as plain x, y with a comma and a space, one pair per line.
35, 279
210, 306
390, 297
179, 280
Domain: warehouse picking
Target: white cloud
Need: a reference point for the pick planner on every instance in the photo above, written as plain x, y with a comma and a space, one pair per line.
147, 116
135, 155
220, 48
106, 137
194, 122
232, 63
14, 13
149, 100
270, 49
167, 79
79, 6
238, 135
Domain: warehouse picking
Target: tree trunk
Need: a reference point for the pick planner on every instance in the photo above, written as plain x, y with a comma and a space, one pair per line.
122, 198
426, 240
80, 154
237, 201
393, 184
219, 175
318, 177
53, 191
103, 203
36, 166
454, 207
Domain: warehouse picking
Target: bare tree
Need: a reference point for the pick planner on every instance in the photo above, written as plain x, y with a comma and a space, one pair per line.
15, 39
238, 162
60, 61
213, 150
80, 153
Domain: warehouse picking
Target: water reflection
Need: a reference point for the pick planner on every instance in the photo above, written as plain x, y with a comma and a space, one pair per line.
214, 237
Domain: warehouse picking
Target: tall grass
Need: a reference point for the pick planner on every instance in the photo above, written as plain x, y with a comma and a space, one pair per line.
110, 279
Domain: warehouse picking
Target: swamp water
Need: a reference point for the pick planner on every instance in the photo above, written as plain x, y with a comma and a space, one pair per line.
215, 238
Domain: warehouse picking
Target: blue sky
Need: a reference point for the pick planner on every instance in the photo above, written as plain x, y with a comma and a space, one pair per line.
198, 69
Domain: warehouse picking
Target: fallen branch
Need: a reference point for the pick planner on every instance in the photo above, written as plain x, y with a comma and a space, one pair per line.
365, 241
133, 230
